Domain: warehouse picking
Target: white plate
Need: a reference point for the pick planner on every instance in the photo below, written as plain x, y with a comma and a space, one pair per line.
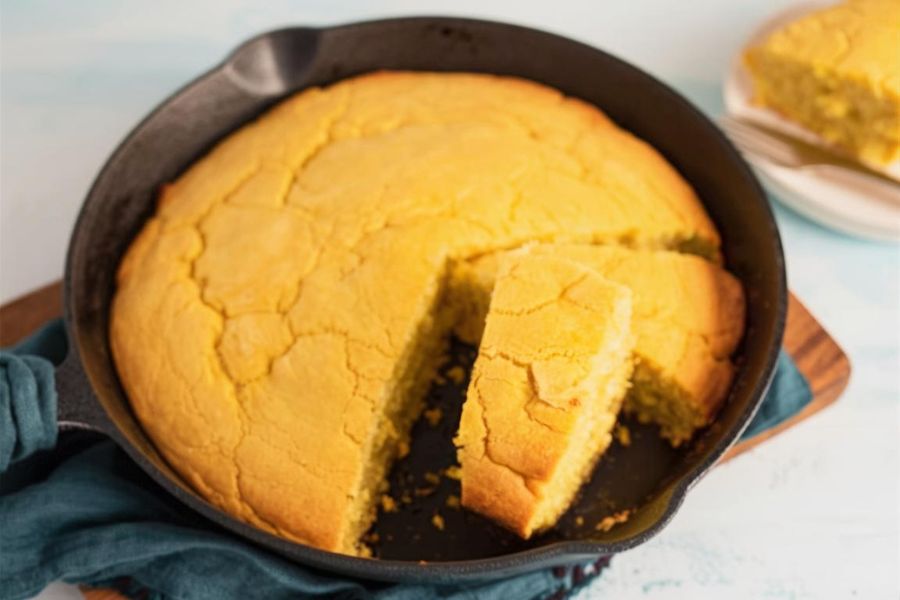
837, 198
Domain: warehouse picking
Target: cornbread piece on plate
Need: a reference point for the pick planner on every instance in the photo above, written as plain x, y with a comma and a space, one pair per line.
546, 388
688, 320
278, 319
837, 72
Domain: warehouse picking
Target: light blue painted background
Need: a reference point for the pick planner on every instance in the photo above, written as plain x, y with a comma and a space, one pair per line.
811, 514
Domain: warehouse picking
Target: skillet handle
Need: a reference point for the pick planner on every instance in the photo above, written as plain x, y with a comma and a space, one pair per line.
76, 406
273, 63
38, 400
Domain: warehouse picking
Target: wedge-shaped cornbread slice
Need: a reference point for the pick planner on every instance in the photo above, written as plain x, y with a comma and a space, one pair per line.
688, 320
837, 72
546, 388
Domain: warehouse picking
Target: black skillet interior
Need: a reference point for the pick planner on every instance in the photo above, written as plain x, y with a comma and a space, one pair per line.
647, 475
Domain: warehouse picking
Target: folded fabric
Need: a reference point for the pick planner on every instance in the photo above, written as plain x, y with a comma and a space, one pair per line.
27, 394
84, 513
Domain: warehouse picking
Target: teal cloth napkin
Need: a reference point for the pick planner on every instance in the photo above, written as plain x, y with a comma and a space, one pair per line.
84, 513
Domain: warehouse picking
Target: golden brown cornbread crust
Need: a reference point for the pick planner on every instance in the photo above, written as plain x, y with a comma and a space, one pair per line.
546, 388
270, 310
688, 315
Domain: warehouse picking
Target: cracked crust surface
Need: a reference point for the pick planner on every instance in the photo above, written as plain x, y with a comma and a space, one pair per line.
546, 388
688, 315
264, 313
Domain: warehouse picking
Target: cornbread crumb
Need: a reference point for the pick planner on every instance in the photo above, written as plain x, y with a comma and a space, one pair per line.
388, 504
402, 449
371, 538
623, 435
452, 472
607, 523
456, 374
433, 416
452, 501
438, 521
424, 491
432, 478
405, 498
579, 520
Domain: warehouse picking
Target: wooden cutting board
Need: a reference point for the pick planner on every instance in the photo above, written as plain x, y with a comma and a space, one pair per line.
816, 354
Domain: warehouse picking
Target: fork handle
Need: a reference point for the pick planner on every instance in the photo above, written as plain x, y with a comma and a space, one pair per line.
859, 181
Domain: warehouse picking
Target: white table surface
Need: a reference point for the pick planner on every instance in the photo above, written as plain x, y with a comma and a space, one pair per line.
812, 514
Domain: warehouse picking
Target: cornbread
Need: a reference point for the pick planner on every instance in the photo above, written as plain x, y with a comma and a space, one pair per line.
607, 523
837, 72
277, 320
546, 389
688, 320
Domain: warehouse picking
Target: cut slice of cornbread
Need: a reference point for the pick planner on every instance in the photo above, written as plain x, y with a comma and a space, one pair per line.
837, 72
546, 388
688, 320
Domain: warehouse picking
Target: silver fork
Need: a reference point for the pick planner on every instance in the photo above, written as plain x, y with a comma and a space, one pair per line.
758, 141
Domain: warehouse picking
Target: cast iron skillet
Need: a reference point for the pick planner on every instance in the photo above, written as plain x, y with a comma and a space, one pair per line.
647, 475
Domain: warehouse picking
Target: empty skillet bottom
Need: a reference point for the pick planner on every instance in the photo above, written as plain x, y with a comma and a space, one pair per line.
421, 518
